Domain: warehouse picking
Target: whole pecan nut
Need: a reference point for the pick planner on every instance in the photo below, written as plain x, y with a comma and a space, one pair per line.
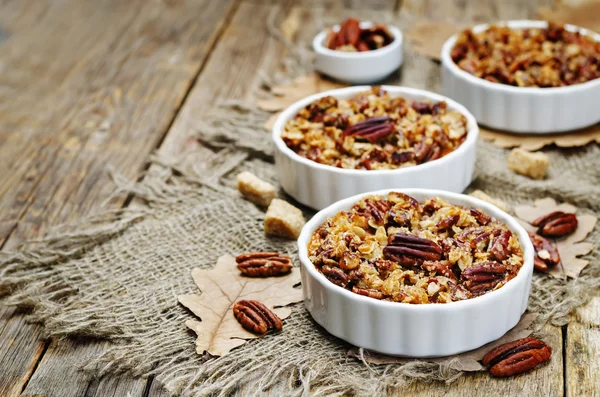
546, 254
335, 275
371, 293
263, 264
517, 357
482, 218
410, 250
500, 248
556, 224
256, 317
483, 277
372, 129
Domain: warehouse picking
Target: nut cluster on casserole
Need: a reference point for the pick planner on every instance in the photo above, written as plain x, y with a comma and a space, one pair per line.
550, 57
374, 131
398, 249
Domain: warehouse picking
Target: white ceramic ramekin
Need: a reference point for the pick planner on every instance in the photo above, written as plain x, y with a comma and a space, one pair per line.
427, 330
522, 109
318, 185
359, 67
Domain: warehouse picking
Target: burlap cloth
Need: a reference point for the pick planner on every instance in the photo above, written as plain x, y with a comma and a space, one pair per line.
117, 275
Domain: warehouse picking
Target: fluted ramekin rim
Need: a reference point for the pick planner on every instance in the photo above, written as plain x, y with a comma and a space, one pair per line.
292, 110
518, 282
451, 66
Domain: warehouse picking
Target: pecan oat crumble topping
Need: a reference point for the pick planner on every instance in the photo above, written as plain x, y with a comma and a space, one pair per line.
374, 131
549, 57
397, 249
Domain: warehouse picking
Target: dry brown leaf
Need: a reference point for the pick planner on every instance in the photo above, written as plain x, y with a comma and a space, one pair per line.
427, 37
301, 87
536, 142
569, 248
584, 15
221, 287
468, 361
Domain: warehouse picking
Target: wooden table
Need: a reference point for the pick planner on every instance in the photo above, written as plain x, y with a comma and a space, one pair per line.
86, 84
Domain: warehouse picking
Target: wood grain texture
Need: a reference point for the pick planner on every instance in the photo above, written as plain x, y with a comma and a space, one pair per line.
21, 345
84, 85
157, 390
583, 352
116, 386
93, 95
59, 373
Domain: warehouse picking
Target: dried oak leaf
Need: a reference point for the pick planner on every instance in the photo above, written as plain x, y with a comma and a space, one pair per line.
303, 86
221, 287
569, 247
536, 142
468, 361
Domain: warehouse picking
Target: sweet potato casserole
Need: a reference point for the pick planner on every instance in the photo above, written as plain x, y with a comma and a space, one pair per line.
398, 249
374, 131
550, 57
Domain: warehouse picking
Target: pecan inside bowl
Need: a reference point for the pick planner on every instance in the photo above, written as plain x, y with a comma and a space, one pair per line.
350, 36
548, 57
393, 247
374, 130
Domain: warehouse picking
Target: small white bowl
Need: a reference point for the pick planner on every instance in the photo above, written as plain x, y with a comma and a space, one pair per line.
318, 185
522, 109
426, 330
359, 67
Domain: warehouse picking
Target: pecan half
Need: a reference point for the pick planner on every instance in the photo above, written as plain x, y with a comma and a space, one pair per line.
517, 357
377, 208
482, 219
335, 275
263, 264
500, 248
425, 152
546, 254
371, 293
349, 33
556, 224
447, 222
256, 317
484, 277
372, 129
409, 250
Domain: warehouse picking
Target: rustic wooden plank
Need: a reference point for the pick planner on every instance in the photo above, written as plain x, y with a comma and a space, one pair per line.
59, 373
117, 386
104, 92
18, 354
582, 372
99, 96
157, 390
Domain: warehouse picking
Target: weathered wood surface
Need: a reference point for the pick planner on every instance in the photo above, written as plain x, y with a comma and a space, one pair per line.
84, 85
582, 355
56, 137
